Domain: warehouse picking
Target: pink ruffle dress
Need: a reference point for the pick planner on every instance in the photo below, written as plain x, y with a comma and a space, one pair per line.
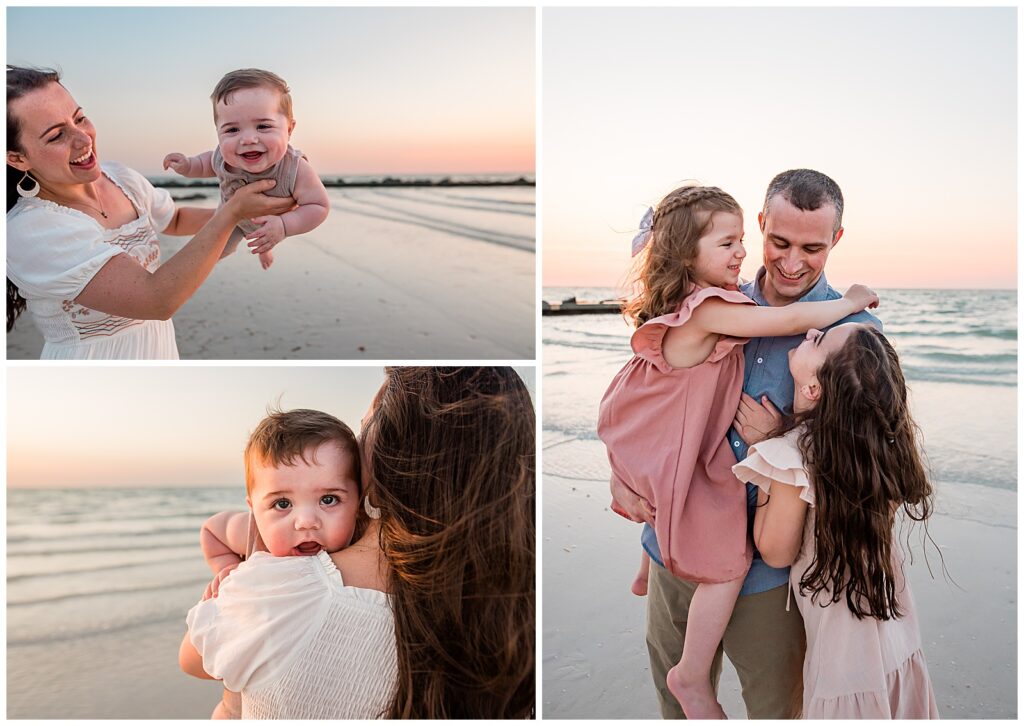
665, 429
854, 669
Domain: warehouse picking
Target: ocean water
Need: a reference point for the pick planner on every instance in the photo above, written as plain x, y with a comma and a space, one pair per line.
958, 349
98, 585
496, 215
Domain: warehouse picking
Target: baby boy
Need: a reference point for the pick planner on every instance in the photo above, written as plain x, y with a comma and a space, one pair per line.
302, 486
252, 110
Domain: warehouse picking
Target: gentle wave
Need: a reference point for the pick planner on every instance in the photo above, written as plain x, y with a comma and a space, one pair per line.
191, 582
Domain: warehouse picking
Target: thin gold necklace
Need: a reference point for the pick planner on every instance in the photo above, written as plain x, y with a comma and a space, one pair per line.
69, 203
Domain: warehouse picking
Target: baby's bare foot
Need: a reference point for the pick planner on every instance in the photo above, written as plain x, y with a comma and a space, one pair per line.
695, 695
266, 259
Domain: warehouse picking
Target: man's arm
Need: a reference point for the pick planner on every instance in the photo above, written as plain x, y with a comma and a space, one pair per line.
223, 539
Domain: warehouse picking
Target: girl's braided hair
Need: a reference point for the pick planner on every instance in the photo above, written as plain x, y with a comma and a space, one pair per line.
664, 273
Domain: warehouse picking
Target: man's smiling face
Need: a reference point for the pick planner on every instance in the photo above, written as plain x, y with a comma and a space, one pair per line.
796, 246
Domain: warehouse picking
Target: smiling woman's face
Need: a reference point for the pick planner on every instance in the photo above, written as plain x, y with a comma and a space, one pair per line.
57, 141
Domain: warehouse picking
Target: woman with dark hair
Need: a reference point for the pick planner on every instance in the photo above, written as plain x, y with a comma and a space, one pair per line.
832, 489
431, 612
82, 250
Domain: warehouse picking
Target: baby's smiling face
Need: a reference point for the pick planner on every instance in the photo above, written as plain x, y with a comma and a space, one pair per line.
252, 130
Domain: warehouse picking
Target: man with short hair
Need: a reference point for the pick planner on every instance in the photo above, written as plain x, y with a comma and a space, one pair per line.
801, 222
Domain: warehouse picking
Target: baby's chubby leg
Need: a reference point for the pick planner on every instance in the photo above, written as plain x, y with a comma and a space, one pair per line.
266, 259
690, 679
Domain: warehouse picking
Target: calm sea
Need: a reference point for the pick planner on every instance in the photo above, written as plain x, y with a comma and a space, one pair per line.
98, 584
958, 349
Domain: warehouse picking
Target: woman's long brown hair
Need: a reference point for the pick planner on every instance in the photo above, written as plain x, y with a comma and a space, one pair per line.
663, 276
20, 82
451, 462
861, 450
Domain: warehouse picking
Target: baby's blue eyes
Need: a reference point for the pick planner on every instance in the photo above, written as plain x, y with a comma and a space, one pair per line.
328, 499
281, 504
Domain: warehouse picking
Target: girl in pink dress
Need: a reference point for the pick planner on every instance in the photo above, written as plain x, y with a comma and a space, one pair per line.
831, 488
665, 416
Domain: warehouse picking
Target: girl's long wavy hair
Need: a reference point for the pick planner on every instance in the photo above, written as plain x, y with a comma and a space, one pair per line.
663, 276
450, 453
20, 82
861, 449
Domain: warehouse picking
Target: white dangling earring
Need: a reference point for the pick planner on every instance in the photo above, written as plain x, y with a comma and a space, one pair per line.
22, 192
371, 511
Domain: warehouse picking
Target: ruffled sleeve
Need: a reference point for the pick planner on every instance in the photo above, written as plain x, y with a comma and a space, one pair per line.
779, 461
53, 252
647, 339
157, 203
265, 613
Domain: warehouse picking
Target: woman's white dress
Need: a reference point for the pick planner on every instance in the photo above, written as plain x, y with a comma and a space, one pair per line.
297, 642
53, 252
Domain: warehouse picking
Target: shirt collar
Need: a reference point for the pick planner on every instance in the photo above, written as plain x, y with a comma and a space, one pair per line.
752, 289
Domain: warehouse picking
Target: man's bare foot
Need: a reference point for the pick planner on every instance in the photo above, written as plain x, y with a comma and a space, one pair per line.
695, 695
266, 259
639, 586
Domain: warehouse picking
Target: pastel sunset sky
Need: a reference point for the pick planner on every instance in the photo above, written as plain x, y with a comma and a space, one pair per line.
375, 90
913, 111
162, 425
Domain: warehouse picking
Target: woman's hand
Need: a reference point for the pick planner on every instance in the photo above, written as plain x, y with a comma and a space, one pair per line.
754, 421
250, 201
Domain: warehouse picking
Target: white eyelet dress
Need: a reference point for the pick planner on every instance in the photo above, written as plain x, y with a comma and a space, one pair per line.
53, 252
297, 642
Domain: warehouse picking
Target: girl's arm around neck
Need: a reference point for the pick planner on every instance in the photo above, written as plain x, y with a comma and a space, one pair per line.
749, 321
779, 524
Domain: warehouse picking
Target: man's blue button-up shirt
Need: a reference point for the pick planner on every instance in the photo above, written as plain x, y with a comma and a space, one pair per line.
766, 372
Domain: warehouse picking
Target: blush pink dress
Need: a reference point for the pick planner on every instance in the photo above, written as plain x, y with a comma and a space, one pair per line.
855, 669
665, 429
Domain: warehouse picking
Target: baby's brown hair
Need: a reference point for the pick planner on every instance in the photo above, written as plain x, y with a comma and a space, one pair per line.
283, 436
252, 78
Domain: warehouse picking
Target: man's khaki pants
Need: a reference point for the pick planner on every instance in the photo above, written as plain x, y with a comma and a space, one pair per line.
764, 642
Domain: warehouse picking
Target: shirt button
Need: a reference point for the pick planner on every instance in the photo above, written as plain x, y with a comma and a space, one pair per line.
736, 444
760, 360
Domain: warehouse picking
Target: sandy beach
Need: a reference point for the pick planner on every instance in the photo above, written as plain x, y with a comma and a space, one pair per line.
595, 658
393, 274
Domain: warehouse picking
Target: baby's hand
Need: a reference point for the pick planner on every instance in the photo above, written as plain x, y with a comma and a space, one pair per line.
214, 587
271, 232
862, 296
178, 162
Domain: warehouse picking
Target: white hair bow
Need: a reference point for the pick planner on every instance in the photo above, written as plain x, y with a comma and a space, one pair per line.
644, 235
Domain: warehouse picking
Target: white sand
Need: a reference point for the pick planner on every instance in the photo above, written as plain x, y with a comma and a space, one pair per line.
594, 655
393, 274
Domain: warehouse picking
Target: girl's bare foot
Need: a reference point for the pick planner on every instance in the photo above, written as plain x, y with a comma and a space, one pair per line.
639, 586
266, 259
695, 695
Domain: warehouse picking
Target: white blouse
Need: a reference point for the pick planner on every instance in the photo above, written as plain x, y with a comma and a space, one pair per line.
297, 642
53, 252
